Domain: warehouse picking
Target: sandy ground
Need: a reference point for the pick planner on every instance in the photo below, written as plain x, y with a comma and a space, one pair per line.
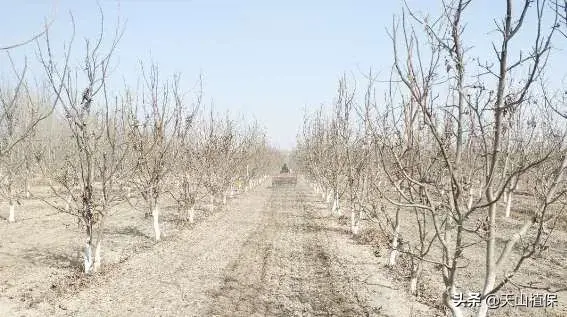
274, 252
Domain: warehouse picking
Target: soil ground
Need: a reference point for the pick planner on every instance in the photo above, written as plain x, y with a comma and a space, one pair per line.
273, 252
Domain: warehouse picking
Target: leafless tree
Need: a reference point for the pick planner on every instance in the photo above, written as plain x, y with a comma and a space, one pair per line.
20, 113
92, 168
157, 120
466, 144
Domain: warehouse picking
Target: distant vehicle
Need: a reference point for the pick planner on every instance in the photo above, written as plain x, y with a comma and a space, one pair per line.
285, 180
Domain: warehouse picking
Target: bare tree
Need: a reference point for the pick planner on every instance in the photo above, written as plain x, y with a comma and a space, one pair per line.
456, 139
93, 166
155, 138
463, 145
20, 113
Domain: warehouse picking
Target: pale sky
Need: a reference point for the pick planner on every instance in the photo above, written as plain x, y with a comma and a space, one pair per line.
266, 60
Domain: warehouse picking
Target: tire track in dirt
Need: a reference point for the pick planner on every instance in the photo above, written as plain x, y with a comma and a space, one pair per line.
285, 268
269, 255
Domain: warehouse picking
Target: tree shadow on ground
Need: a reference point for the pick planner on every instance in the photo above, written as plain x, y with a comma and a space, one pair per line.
52, 258
129, 231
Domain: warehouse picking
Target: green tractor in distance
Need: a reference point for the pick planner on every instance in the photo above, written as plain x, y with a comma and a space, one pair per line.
286, 178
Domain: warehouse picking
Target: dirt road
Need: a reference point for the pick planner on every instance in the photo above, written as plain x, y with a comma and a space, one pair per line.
270, 254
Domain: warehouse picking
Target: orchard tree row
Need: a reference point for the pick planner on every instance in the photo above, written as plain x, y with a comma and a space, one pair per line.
83, 148
456, 140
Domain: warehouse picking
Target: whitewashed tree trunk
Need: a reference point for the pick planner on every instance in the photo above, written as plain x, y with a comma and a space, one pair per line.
191, 213
27, 189
354, 222
212, 202
88, 258
224, 199
509, 199
489, 281
12, 215
98, 256
128, 192
395, 242
68, 202
457, 312
155, 215
336, 210
416, 271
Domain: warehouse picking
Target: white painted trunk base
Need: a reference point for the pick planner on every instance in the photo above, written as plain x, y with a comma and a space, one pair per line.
394, 252
68, 203
12, 215
88, 259
97, 257
336, 209
457, 312
413, 285
354, 225
155, 215
509, 199
416, 271
191, 213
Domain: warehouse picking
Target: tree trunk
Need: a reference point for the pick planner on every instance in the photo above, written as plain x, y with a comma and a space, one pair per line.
471, 198
448, 300
509, 199
12, 216
88, 258
98, 257
155, 214
212, 202
191, 213
354, 221
490, 266
27, 189
415, 273
68, 202
336, 210
394, 251
395, 240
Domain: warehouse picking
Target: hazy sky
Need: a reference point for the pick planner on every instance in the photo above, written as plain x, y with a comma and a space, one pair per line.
267, 60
